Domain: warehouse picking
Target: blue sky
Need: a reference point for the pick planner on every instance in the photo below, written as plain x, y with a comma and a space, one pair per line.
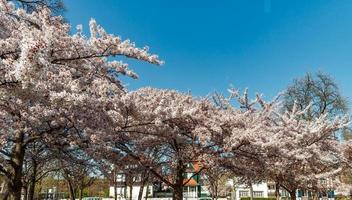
208, 45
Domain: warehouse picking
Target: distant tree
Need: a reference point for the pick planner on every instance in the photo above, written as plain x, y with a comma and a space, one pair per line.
319, 90
347, 134
216, 179
38, 164
79, 171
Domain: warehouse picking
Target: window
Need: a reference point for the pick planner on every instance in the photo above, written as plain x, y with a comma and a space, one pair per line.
244, 193
271, 187
323, 181
150, 190
189, 175
258, 193
121, 178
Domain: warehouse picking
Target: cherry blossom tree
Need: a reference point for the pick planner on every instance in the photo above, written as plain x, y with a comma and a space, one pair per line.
163, 130
55, 86
304, 151
292, 151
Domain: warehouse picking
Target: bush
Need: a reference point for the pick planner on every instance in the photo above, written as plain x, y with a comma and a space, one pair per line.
342, 198
260, 198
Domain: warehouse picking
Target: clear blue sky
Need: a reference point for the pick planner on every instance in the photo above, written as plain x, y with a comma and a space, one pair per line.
208, 45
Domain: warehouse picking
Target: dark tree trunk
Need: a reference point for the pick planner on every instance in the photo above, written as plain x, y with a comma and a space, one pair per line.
15, 182
143, 183
5, 190
6, 195
277, 191
315, 195
293, 195
178, 193
147, 192
140, 193
178, 186
32, 181
31, 190
216, 191
212, 190
131, 191
115, 189
71, 190
251, 191
25, 194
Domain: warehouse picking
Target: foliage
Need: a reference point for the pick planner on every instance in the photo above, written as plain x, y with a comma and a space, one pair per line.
319, 90
255, 198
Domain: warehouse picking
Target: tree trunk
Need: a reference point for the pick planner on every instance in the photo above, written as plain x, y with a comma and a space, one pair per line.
147, 192
178, 186
216, 191
251, 191
178, 193
140, 193
32, 181
233, 192
293, 195
131, 191
115, 189
71, 190
5, 190
315, 195
114, 179
15, 182
80, 193
25, 194
6, 195
277, 191
31, 190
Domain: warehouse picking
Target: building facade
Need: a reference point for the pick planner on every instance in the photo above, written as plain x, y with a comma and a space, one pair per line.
193, 186
260, 190
327, 191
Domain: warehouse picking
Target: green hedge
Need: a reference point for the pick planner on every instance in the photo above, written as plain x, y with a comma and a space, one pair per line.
261, 198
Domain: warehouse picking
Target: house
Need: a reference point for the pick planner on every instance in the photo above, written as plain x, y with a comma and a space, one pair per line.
327, 191
193, 185
193, 189
129, 183
260, 190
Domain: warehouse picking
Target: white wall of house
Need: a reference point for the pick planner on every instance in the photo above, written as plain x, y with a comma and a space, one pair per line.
259, 190
135, 191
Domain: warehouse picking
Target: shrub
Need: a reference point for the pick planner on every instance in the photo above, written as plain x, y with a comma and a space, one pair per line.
260, 198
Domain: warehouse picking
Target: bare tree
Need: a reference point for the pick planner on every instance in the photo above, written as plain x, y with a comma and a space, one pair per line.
216, 178
319, 90
38, 164
79, 171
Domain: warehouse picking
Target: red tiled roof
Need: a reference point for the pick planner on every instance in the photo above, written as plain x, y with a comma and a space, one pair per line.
191, 182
